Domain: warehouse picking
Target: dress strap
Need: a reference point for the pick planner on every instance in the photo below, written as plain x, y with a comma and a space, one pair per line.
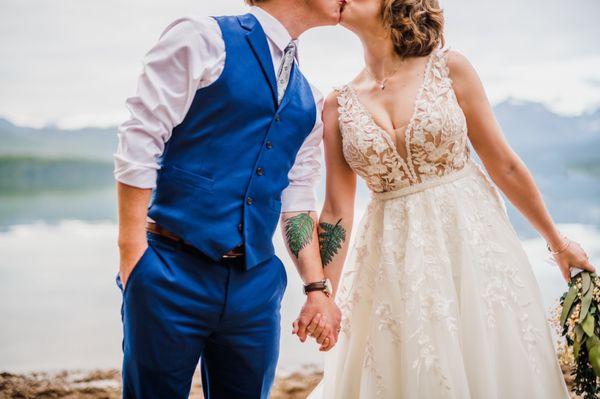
440, 64
341, 90
343, 98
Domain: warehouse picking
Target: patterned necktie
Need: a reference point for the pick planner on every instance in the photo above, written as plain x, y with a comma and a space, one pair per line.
283, 76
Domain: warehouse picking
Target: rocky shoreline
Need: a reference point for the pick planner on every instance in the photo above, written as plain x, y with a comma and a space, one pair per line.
105, 384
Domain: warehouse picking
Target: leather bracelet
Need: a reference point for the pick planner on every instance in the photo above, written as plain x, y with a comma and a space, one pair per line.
560, 250
317, 286
323, 285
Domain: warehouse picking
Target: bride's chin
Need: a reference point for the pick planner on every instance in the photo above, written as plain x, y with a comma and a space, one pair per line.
344, 18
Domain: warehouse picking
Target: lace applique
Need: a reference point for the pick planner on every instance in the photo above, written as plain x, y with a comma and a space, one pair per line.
388, 322
368, 152
352, 283
429, 361
531, 336
439, 136
501, 283
369, 364
435, 138
430, 307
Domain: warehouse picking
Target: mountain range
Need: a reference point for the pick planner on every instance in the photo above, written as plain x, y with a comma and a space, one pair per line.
562, 152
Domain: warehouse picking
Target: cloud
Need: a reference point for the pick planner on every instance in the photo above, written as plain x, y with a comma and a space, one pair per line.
73, 63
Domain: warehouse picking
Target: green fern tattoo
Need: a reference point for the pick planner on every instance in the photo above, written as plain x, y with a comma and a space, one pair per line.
299, 232
331, 240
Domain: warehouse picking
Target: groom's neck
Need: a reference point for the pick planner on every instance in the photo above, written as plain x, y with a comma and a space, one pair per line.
296, 18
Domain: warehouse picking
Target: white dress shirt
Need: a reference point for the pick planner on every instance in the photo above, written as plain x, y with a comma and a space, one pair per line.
190, 55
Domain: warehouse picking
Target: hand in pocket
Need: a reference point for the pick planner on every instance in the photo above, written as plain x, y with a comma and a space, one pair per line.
129, 258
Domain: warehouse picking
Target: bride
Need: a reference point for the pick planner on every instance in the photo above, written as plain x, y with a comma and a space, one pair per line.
438, 297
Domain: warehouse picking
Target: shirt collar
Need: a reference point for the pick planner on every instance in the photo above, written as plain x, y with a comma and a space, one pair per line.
274, 29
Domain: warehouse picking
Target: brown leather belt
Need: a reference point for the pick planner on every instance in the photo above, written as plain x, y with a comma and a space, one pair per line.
157, 229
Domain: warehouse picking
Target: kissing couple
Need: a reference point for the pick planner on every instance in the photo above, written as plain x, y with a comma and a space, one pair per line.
436, 298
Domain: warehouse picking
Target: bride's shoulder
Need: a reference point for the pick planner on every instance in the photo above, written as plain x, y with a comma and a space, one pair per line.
338, 95
338, 99
332, 108
334, 100
461, 73
458, 67
454, 59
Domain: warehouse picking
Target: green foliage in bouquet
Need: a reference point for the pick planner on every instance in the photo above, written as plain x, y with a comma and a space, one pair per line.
580, 326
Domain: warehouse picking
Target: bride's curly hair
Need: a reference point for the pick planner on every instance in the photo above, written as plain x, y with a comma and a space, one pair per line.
416, 26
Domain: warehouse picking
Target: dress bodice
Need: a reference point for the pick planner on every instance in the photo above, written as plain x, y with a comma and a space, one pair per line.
435, 138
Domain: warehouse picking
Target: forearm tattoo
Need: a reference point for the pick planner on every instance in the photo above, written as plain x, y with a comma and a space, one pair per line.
331, 239
299, 232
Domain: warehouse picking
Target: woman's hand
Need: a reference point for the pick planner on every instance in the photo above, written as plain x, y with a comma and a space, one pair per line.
569, 256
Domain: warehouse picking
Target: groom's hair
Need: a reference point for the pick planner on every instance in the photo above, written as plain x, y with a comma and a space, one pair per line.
417, 26
254, 2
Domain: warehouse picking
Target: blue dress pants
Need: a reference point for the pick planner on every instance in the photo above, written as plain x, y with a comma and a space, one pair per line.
180, 307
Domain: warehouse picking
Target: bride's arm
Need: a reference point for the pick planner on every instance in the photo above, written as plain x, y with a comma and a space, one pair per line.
504, 166
335, 223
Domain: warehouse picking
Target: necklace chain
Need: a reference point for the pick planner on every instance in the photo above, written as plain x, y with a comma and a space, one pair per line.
382, 82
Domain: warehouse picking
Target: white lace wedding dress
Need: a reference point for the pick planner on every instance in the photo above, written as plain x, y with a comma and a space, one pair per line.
438, 297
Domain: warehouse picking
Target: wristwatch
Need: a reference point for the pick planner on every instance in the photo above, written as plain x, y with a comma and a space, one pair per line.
323, 285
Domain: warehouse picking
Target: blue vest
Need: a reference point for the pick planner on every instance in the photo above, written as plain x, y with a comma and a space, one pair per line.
225, 166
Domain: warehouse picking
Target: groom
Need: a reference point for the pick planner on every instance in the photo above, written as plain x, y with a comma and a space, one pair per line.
223, 139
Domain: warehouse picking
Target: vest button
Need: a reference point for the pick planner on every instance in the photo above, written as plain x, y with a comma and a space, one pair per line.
260, 171
269, 145
277, 118
249, 201
240, 227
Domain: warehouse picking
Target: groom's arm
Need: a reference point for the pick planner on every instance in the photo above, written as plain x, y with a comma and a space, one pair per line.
299, 204
188, 55
299, 228
319, 316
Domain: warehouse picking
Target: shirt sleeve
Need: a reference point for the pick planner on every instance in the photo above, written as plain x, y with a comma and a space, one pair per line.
189, 55
305, 174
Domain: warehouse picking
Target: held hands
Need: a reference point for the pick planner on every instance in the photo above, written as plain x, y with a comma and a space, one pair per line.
320, 318
570, 255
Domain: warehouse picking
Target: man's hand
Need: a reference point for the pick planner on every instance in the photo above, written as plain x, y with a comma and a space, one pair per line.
320, 317
133, 205
129, 255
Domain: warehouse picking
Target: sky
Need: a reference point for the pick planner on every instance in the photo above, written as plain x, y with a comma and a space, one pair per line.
72, 63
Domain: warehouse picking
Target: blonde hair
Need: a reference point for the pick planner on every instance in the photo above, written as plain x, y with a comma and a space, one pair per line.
416, 26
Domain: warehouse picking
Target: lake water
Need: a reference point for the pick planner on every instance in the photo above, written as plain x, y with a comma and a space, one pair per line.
60, 307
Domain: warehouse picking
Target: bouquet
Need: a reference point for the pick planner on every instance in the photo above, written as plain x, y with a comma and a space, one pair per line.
580, 326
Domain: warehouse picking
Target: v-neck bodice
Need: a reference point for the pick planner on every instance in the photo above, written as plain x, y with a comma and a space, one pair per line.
435, 137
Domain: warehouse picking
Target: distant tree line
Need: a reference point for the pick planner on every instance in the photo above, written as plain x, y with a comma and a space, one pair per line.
22, 173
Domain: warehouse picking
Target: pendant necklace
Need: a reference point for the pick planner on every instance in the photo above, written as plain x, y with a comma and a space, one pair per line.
382, 82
